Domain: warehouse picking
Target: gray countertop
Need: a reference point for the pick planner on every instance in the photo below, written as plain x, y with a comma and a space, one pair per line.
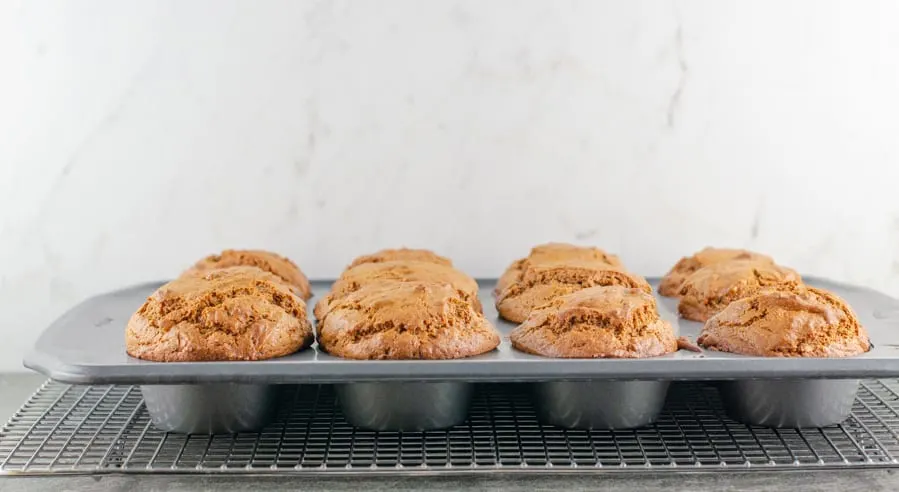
14, 389
826, 481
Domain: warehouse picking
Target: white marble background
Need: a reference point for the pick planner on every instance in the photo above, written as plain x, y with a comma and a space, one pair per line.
138, 136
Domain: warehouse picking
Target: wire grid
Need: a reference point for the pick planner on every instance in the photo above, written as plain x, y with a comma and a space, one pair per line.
106, 429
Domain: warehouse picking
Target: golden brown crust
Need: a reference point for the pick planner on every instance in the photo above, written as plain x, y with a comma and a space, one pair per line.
804, 322
399, 271
552, 253
540, 283
672, 281
613, 321
710, 289
273, 263
236, 313
405, 320
401, 254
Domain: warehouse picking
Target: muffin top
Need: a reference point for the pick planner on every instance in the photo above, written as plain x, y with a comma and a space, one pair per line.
672, 281
608, 321
709, 289
405, 320
236, 313
804, 322
264, 260
551, 253
401, 254
398, 271
540, 283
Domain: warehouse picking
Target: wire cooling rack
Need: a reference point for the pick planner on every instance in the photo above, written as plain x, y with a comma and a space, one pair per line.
106, 429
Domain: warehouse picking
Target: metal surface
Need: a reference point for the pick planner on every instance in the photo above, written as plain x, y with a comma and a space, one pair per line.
600, 404
106, 429
210, 408
62, 354
789, 403
405, 406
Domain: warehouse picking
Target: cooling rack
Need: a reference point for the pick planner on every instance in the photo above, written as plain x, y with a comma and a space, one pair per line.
105, 429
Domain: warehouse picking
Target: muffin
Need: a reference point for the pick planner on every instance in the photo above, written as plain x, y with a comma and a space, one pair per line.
399, 271
235, 313
710, 289
275, 264
540, 283
405, 320
672, 281
554, 253
401, 254
804, 322
609, 321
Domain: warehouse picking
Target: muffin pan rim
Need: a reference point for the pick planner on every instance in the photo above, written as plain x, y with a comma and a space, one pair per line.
61, 353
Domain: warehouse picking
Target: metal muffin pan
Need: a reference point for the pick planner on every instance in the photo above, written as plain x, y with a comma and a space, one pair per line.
417, 395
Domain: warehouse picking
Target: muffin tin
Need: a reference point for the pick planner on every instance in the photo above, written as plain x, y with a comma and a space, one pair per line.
210, 408
207, 397
600, 404
405, 406
789, 402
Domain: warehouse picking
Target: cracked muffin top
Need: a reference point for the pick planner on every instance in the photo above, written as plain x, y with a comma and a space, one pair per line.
270, 262
401, 254
550, 253
804, 322
610, 321
710, 289
399, 271
671, 283
540, 283
236, 313
405, 320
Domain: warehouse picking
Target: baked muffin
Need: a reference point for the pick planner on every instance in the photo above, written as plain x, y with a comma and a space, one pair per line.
804, 322
612, 321
554, 253
401, 254
540, 283
710, 289
399, 271
265, 260
405, 320
236, 313
672, 281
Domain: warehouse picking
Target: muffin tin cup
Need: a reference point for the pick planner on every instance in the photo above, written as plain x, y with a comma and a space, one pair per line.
210, 408
789, 403
600, 404
405, 406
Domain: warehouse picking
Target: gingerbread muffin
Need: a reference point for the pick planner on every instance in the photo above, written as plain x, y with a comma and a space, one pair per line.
265, 260
236, 313
399, 271
672, 281
611, 322
540, 283
550, 253
710, 289
405, 320
401, 254
804, 322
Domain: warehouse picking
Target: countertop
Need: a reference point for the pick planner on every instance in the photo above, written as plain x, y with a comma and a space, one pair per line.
15, 388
